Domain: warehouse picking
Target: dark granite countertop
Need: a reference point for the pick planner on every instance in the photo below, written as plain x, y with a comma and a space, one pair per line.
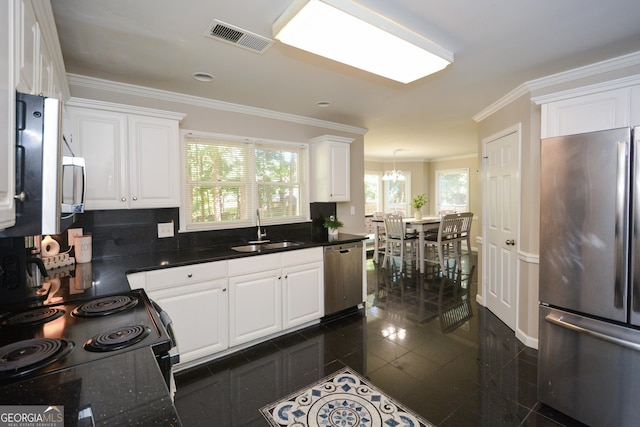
126, 389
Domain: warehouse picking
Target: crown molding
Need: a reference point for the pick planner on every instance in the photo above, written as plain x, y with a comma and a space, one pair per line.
448, 158
124, 88
590, 70
122, 108
588, 90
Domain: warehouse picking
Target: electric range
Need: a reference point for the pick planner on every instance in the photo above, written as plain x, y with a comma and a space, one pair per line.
99, 358
48, 338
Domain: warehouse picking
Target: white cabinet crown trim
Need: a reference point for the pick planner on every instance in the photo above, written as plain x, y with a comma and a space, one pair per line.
622, 83
123, 108
618, 63
333, 138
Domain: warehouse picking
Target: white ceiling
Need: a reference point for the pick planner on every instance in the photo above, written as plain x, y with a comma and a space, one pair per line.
498, 45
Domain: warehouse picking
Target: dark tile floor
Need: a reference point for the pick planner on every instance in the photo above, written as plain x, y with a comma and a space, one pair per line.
421, 339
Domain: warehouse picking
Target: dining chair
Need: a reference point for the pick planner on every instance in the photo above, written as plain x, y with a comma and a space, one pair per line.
452, 231
398, 240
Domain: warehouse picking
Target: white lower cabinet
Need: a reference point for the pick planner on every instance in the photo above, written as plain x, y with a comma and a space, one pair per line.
196, 299
303, 288
199, 314
220, 305
264, 300
255, 306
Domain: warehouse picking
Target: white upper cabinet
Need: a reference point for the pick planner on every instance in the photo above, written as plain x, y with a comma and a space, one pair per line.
39, 68
133, 161
154, 162
27, 40
7, 116
603, 110
635, 106
330, 168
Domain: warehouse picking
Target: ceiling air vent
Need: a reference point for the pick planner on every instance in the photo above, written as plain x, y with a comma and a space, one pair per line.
237, 36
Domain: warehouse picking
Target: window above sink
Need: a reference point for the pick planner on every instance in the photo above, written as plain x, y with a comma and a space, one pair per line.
227, 177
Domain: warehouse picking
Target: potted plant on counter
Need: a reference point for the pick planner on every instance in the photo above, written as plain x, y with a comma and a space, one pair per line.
332, 224
418, 202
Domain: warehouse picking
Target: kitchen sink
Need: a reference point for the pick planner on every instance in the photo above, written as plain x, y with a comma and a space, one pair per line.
247, 248
285, 244
265, 246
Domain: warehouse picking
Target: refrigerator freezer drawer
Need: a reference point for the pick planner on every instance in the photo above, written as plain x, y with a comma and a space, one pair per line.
589, 369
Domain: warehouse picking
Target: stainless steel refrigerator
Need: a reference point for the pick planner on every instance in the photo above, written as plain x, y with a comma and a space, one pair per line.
589, 338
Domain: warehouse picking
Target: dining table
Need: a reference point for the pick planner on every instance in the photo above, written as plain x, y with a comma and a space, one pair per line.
422, 225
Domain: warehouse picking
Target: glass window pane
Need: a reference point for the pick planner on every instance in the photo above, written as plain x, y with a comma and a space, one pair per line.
372, 192
396, 198
453, 190
228, 179
279, 172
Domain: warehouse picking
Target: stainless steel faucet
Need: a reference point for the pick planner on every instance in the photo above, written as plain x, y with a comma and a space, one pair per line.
261, 235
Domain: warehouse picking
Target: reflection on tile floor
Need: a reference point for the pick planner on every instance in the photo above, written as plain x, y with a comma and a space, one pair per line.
421, 339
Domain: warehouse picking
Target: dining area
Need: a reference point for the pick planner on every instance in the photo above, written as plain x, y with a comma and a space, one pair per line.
424, 240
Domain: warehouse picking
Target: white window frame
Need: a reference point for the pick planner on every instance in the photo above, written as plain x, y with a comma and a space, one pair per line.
406, 209
439, 204
250, 221
380, 191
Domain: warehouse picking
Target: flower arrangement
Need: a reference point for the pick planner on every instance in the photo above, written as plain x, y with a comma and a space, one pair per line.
419, 201
332, 222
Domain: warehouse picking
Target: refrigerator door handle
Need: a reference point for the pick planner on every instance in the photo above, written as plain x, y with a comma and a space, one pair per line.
621, 218
567, 325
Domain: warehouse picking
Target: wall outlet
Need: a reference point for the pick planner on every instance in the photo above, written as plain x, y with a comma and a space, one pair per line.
353, 210
165, 229
72, 233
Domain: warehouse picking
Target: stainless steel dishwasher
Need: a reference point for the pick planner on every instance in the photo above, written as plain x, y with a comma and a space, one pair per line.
343, 267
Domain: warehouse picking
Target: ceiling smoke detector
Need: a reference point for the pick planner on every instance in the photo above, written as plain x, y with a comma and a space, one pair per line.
237, 36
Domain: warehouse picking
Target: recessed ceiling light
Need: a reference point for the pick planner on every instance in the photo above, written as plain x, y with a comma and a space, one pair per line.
323, 104
203, 77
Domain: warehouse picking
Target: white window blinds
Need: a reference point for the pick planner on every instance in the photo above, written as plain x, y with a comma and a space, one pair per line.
227, 180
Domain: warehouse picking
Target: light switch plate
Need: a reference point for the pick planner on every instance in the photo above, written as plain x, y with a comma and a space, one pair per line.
165, 229
72, 233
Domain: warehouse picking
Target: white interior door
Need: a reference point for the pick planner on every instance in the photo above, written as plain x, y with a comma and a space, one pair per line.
501, 225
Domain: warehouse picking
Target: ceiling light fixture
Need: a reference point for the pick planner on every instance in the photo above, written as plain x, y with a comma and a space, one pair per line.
347, 32
323, 104
395, 174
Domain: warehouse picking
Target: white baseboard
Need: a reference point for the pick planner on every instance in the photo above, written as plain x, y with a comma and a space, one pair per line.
526, 339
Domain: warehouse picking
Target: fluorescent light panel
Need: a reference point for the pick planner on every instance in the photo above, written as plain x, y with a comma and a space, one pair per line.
354, 35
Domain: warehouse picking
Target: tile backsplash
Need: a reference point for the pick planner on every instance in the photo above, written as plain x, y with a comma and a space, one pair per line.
135, 231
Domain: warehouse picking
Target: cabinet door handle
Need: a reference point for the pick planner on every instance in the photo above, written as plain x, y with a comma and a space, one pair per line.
135, 198
124, 199
190, 275
224, 289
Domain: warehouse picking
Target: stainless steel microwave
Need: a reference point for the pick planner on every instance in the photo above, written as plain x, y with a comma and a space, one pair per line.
50, 187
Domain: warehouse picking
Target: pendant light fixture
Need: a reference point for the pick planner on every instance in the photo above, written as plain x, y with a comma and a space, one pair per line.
395, 174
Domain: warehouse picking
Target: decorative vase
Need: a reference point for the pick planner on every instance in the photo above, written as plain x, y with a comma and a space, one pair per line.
333, 231
417, 214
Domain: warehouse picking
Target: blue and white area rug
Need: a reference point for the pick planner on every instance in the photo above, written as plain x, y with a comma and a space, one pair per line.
343, 399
